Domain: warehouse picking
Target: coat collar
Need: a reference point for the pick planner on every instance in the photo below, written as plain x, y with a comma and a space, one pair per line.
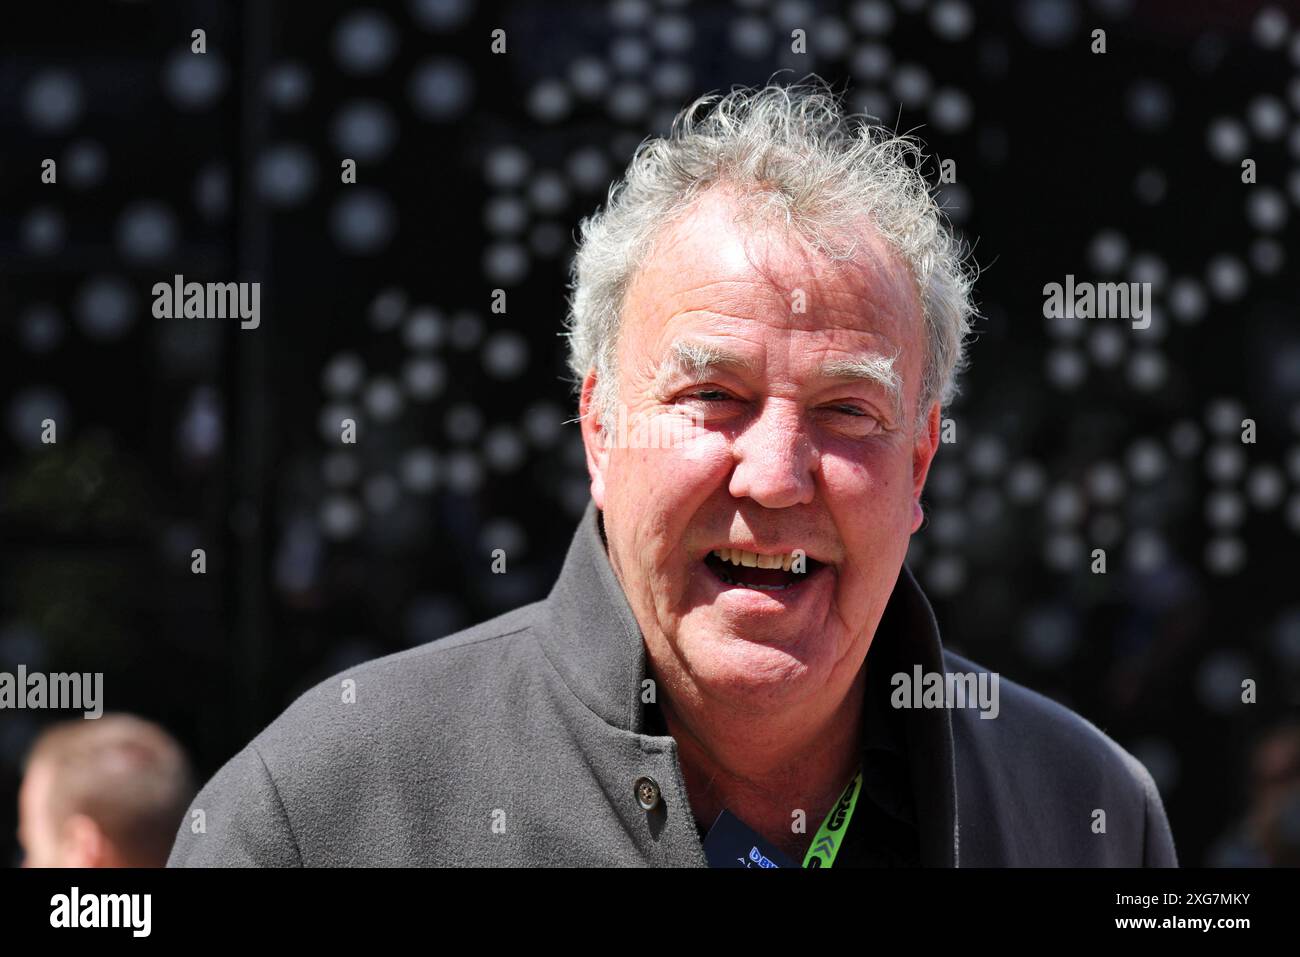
597, 646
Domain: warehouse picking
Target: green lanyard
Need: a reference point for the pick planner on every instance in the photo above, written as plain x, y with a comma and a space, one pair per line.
831, 834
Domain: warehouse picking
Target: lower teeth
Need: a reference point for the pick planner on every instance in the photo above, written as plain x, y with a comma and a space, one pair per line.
731, 581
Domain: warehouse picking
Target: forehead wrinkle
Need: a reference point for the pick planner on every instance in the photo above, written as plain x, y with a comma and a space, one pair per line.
696, 279
721, 296
712, 261
827, 307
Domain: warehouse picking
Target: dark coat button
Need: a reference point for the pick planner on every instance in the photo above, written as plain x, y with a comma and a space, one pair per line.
647, 793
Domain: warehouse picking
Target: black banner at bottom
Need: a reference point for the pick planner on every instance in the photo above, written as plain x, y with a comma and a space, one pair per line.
303, 907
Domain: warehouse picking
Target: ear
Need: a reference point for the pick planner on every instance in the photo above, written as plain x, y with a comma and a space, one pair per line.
923, 450
84, 843
594, 439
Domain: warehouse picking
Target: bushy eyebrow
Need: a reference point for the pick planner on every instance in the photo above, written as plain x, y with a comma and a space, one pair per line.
696, 359
874, 368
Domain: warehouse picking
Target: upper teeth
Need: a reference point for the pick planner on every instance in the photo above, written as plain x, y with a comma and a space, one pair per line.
738, 556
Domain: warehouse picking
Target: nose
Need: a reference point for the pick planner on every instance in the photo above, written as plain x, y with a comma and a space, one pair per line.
776, 461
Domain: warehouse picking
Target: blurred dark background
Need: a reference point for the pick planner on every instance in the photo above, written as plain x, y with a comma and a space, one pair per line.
473, 169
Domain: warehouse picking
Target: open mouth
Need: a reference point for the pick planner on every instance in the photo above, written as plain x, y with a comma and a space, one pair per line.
738, 569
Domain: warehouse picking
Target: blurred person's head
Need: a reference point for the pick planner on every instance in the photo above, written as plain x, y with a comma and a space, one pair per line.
1275, 810
108, 792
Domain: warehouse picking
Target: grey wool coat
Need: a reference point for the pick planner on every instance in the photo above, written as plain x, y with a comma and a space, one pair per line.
519, 741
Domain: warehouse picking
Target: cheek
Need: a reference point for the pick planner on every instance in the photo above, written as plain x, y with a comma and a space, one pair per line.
870, 504
687, 464
657, 494
705, 456
870, 496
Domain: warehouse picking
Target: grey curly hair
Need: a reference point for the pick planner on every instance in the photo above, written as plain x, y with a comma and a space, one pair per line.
789, 151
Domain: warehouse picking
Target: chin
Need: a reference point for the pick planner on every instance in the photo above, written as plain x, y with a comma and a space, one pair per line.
727, 663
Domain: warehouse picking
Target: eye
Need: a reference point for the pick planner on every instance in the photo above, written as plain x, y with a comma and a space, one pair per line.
856, 419
852, 411
703, 395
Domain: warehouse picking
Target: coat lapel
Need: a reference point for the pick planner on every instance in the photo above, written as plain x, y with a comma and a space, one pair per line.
928, 731
594, 640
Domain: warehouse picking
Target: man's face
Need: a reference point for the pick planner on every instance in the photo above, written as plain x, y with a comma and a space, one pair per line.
771, 455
